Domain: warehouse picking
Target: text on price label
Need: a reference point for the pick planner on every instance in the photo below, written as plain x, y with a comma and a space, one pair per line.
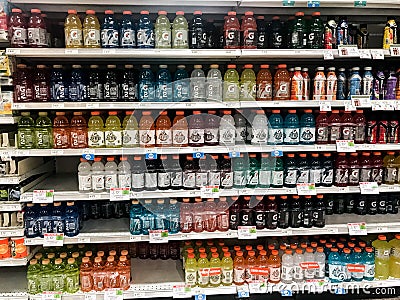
369, 188
120, 194
348, 51
247, 232
51, 295
345, 146
43, 196
306, 189
113, 295
53, 239
357, 228
158, 236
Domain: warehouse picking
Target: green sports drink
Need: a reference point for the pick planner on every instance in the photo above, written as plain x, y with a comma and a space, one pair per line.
33, 276
46, 276
215, 270
130, 132
26, 131
95, 130
248, 89
72, 276
180, 31
203, 276
43, 131
58, 276
113, 131
227, 269
231, 84
162, 30
191, 270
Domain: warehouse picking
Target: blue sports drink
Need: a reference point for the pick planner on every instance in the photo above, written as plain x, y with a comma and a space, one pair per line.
135, 214
346, 260
111, 86
145, 31
109, 31
146, 84
367, 82
291, 128
71, 218
163, 84
58, 84
127, 34
355, 83
30, 221
275, 135
77, 86
173, 216
307, 128
44, 220
341, 85
335, 266
58, 218
181, 84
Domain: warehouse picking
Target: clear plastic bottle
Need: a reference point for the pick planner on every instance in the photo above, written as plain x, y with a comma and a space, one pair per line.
124, 173
197, 84
162, 29
26, 132
98, 180
260, 129
180, 31
248, 87
73, 30
113, 131
61, 132
214, 84
78, 131
84, 176
110, 173
91, 30
227, 129
33, 277
86, 279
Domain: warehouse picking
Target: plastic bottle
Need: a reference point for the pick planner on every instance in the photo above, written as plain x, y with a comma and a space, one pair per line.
226, 172
33, 277
91, 30
347, 126
86, 280
231, 90
163, 84
227, 269
319, 91
84, 176
239, 269
71, 220
322, 128
394, 261
276, 131
73, 30
336, 269
113, 131
36, 30
127, 34
61, 131
162, 30
180, 130
163, 174
198, 35
249, 31
189, 174
150, 176
355, 83
215, 270
211, 132
145, 31
239, 172
26, 132
191, 270
343, 36
110, 174
240, 126
277, 173
147, 132
46, 274
214, 84
297, 83
130, 131
252, 171
71, 276
382, 257
260, 129
99, 275
98, 181
181, 84
282, 84
58, 84
307, 128
146, 84
40, 83
124, 272
390, 33
96, 131
227, 129
298, 272
95, 85
248, 87
369, 260
203, 274
320, 259
135, 218
316, 32
196, 129
23, 87
197, 84
264, 84
391, 82
390, 169
43, 132
163, 130
291, 128
77, 86
231, 31
17, 29
180, 31
359, 122
306, 84
342, 170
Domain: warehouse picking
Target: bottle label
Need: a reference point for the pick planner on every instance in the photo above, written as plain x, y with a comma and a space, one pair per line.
241, 133
307, 134
342, 175
98, 182
283, 90
24, 92
25, 139
214, 89
203, 277
176, 178
128, 91
164, 136
91, 37
96, 138
336, 272
164, 179
111, 91
327, 176
40, 92
180, 137
146, 91
145, 38
274, 274
73, 37
180, 39
287, 273
264, 178
226, 179
214, 178
150, 180
390, 174
250, 38
60, 138
128, 38
19, 36
291, 135
347, 133
264, 91
95, 91
252, 177
196, 136
58, 90
227, 136
231, 91
354, 175
239, 178
260, 136
181, 90
147, 137
227, 276
322, 134
125, 180
189, 179
215, 276
334, 132
201, 179
365, 174
239, 275
331, 88
248, 91
85, 182
232, 37
319, 89
111, 181
163, 38
113, 138
190, 277
304, 176
130, 138
43, 139
211, 135
277, 178
137, 180
291, 177
298, 273
275, 136
37, 36
315, 176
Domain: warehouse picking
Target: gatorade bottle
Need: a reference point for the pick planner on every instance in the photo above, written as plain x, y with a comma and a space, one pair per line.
26, 132
41, 88
191, 270
111, 86
260, 129
275, 38
96, 131
282, 84
382, 257
275, 135
95, 85
43, 132
226, 128
61, 131
163, 130
342, 170
23, 89
146, 84
77, 85
109, 31
37, 30
197, 84
394, 261
203, 273
316, 32
277, 173
390, 169
180, 31
334, 123
145, 31
299, 36
354, 171
319, 91
71, 219
297, 83
390, 33
73, 30
377, 167
127, 34
226, 172
58, 84
196, 129
78, 131
227, 269
319, 219
366, 169
110, 174
84, 176
316, 169
91, 30
17, 29
163, 84
291, 171
306, 84
307, 128
240, 126
231, 84
98, 181
130, 131
231, 31
341, 84
291, 128
128, 86
215, 270
322, 128
253, 171
347, 127
355, 83
249, 31
181, 84
343, 37
239, 269
304, 169
390, 86
34, 277
331, 84
248, 88
147, 132
239, 172
198, 35
138, 173
113, 131
264, 84
162, 30
262, 36
124, 173
180, 130
214, 84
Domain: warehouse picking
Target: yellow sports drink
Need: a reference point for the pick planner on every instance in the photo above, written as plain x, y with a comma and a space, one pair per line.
73, 30
248, 90
203, 271
95, 130
390, 168
227, 269
231, 84
382, 255
130, 132
191, 270
113, 132
215, 270
394, 261
91, 30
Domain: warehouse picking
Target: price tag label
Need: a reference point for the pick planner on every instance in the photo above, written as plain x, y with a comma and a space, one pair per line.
109, 51
51, 295
258, 287
348, 106
43, 196
234, 154
276, 153
113, 295
90, 296
247, 232
56, 152
348, 51
158, 236
92, 105
357, 228
328, 55
369, 188
379, 105
286, 293
12, 51
198, 154
152, 155
325, 106
58, 105
378, 54
18, 106
360, 3
345, 146
361, 101
243, 291
88, 156
181, 291
306, 189
71, 51
120, 194
313, 3
394, 50
84, 240
210, 192
53, 239
365, 53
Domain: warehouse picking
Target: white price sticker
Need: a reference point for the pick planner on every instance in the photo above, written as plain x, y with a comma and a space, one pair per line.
378, 54
328, 55
43, 196
247, 232
92, 105
53, 240
365, 53
348, 51
120, 194
357, 228
210, 192
325, 106
90, 296
306, 189
181, 291
369, 188
57, 105
361, 101
348, 106
258, 287
71, 51
158, 236
12, 51
345, 146
109, 51
84, 240
51, 295
113, 295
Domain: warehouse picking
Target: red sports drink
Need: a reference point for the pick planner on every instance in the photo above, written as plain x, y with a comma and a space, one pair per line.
231, 31
18, 29
264, 84
249, 31
359, 126
61, 131
366, 169
342, 170
186, 216
383, 130
23, 89
377, 167
334, 127
79, 131
372, 130
37, 32
322, 128
223, 214
354, 173
347, 126
393, 130
41, 88
198, 219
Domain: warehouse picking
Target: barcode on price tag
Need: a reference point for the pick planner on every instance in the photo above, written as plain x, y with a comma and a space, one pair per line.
345, 146
369, 188
113, 295
247, 232
306, 189
158, 236
43, 196
53, 239
357, 228
120, 194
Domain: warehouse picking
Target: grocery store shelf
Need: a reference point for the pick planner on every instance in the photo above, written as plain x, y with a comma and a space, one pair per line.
4, 120
16, 179
10, 206
381, 4
13, 284
11, 232
117, 230
16, 262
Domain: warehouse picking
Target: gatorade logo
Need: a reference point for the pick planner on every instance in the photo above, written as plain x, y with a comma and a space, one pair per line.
311, 36
179, 35
283, 87
92, 34
250, 36
230, 35
275, 217
260, 217
382, 203
373, 204
232, 88
17, 33
261, 38
165, 36
245, 218
73, 34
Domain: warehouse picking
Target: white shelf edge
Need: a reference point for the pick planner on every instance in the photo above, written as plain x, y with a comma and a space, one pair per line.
11, 232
